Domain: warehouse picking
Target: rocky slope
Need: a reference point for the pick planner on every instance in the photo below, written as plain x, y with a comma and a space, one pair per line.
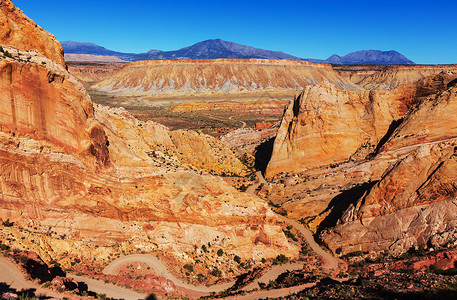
17, 30
221, 76
90, 73
325, 125
88, 182
386, 182
389, 77
413, 203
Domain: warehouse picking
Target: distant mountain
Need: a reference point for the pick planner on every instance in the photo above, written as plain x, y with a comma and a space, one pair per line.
93, 49
370, 57
217, 48
209, 49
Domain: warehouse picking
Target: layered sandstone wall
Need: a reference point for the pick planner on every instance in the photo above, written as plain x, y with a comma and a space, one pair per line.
99, 177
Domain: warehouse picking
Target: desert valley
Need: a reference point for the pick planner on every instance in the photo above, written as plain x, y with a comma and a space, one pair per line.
169, 175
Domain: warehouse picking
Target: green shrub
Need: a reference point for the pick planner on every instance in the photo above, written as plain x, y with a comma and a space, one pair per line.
216, 272
280, 259
23, 259
237, 259
220, 252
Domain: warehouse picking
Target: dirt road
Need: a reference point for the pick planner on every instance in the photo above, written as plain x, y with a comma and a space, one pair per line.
12, 276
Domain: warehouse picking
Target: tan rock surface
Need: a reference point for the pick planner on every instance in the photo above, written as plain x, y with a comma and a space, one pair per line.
20, 32
413, 203
218, 76
392, 195
389, 77
325, 125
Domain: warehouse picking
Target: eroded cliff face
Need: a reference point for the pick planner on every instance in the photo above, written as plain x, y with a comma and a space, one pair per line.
383, 78
217, 76
102, 179
20, 32
413, 203
325, 125
394, 192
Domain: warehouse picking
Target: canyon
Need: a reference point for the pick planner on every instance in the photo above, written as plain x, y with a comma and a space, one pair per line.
258, 161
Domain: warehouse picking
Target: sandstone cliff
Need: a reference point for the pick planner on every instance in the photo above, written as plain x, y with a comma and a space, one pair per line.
20, 32
108, 183
413, 203
218, 76
325, 125
392, 191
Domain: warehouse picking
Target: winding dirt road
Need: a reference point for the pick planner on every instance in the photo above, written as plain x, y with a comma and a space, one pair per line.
330, 263
159, 267
15, 279
11, 274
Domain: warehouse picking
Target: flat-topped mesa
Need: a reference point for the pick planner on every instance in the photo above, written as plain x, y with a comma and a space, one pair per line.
217, 76
325, 125
20, 32
389, 77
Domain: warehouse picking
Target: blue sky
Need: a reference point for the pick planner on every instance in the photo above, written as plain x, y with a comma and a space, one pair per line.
424, 31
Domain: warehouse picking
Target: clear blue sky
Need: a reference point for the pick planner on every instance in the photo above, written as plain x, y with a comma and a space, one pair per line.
424, 31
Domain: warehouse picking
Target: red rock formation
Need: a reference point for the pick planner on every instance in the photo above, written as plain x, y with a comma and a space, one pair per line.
20, 32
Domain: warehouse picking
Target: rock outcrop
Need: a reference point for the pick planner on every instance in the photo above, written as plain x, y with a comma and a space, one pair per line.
217, 76
394, 190
325, 125
105, 181
20, 32
413, 203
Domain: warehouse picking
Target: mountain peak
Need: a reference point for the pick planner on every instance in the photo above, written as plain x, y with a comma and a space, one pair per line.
370, 57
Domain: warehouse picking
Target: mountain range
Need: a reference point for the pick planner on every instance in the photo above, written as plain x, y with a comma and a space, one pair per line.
212, 49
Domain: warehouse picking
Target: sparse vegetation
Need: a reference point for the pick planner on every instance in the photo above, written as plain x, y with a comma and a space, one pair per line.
280, 259
7, 223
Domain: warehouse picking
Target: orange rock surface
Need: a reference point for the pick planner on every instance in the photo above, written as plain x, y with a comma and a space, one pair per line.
325, 125
105, 181
20, 32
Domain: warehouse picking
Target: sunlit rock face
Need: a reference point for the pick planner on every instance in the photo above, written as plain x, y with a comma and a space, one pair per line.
370, 170
217, 76
20, 32
99, 177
